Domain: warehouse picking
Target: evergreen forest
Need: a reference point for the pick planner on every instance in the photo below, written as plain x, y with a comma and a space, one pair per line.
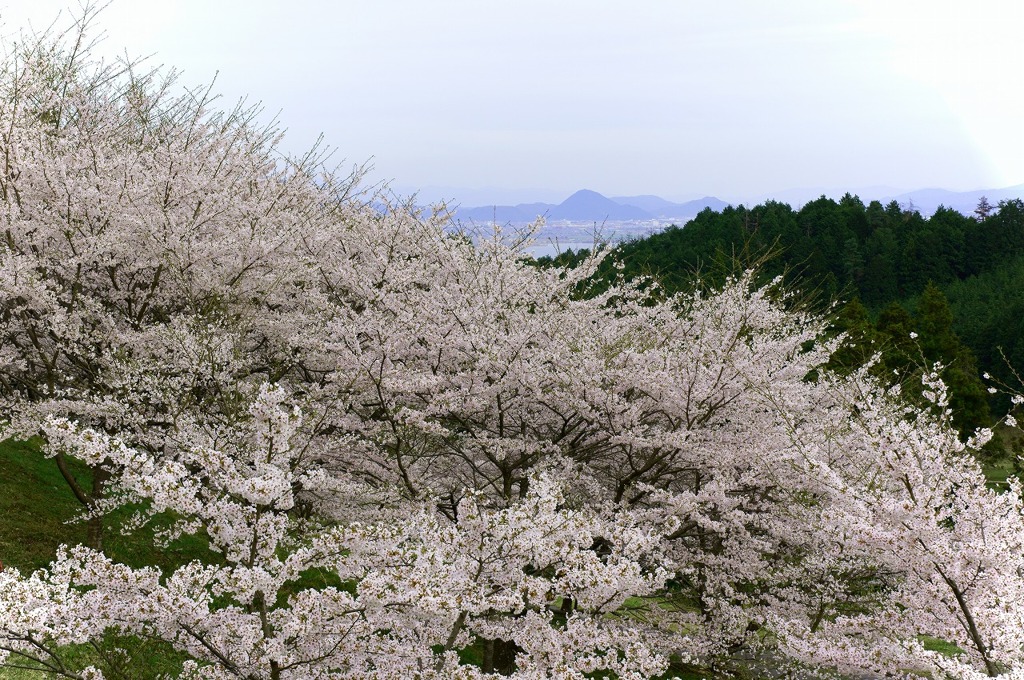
918, 290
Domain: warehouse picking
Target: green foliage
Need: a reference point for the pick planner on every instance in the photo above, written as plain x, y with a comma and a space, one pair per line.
862, 339
988, 309
952, 280
940, 344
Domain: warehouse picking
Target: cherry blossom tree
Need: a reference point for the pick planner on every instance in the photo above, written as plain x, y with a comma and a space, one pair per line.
144, 236
405, 445
407, 591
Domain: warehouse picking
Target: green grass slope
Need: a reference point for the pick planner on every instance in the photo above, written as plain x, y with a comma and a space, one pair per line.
36, 506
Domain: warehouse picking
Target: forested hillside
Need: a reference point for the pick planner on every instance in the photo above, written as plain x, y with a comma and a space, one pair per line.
953, 280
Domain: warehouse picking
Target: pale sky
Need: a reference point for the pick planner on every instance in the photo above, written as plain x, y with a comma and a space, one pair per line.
678, 98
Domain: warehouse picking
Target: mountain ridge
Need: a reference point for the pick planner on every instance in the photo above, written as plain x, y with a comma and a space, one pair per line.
586, 205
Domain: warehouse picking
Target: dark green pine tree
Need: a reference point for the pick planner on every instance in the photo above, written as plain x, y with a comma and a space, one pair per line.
900, 355
934, 323
939, 344
860, 344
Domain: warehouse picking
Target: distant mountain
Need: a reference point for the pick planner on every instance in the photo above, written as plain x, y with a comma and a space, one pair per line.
535, 209
499, 214
800, 196
649, 202
590, 206
694, 207
964, 202
659, 207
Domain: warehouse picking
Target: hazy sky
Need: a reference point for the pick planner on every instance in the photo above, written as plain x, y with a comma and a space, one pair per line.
674, 97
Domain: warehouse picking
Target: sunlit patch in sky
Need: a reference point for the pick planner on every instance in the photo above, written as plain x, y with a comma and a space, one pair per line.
970, 55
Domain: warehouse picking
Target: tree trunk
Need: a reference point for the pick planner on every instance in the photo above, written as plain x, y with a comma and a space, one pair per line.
499, 657
488, 663
505, 656
95, 526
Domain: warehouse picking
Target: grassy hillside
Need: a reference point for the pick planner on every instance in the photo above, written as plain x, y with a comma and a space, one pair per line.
36, 505
39, 514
